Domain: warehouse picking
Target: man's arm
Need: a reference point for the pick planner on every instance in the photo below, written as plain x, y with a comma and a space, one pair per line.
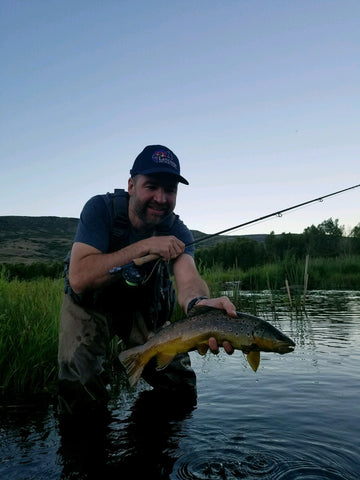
190, 285
89, 267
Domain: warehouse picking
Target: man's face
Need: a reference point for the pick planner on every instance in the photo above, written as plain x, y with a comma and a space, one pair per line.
152, 199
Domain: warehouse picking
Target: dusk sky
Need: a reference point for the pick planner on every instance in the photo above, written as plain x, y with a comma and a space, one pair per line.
260, 100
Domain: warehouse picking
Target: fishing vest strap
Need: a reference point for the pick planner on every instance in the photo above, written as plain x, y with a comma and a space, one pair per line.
120, 228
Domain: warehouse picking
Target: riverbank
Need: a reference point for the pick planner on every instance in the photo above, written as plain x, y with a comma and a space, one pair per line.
29, 312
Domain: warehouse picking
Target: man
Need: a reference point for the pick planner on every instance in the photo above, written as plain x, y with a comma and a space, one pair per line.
115, 229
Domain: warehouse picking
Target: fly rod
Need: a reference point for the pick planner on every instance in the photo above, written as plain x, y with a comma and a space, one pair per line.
274, 214
148, 258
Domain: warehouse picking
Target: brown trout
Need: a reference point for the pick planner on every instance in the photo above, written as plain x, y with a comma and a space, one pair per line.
248, 333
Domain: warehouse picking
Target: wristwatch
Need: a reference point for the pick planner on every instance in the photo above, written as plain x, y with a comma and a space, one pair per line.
193, 302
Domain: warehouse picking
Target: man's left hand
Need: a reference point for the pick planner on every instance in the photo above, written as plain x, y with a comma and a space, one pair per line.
222, 303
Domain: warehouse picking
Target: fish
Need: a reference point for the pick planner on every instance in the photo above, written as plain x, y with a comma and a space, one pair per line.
245, 332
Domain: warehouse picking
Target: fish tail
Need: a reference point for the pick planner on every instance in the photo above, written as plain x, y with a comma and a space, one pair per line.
133, 362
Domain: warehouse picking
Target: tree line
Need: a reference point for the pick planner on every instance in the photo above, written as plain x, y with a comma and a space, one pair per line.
30, 271
326, 240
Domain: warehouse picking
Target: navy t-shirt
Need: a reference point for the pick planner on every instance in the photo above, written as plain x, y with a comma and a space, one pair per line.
96, 218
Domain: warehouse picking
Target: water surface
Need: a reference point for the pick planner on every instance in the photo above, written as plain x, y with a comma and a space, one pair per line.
297, 417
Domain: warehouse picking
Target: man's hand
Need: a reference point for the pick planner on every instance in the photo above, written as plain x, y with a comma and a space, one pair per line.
223, 303
166, 247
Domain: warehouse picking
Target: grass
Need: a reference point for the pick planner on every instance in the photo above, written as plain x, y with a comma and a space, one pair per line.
30, 311
29, 322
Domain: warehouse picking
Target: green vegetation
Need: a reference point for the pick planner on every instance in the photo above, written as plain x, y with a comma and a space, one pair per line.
30, 310
327, 240
31, 271
29, 317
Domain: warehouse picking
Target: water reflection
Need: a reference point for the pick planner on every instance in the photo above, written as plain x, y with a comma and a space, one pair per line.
144, 443
83, 445
28, 440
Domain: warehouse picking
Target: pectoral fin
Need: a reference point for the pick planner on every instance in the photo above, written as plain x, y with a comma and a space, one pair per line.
254, 360
163, 359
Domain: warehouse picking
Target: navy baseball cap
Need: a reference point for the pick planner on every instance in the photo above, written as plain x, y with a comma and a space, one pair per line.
157, 159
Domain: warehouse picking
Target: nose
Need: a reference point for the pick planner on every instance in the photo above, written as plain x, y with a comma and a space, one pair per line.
160, 195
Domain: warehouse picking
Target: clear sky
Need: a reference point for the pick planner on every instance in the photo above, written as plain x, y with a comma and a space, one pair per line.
260, 100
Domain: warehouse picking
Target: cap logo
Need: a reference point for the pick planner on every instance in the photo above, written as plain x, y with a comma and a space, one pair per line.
164, 156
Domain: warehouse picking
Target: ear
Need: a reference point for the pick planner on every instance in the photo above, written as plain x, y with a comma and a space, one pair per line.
130, 185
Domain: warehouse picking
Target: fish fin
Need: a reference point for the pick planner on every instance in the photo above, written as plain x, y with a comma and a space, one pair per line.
202, 348
254, 360
133, 362
163, 359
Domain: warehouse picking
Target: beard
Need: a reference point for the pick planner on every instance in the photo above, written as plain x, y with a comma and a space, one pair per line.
150, 213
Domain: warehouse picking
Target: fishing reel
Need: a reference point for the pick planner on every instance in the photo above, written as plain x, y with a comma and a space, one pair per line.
130, 273
133, 274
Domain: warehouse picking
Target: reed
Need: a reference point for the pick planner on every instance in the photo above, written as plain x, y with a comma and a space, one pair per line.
29, 321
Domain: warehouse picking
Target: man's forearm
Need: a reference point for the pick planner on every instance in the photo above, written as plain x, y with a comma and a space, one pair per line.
195, 288
89, 268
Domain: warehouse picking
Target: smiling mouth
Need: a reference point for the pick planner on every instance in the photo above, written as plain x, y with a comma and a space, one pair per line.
157, 210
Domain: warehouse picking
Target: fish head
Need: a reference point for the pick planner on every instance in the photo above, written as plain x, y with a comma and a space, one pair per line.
270, 339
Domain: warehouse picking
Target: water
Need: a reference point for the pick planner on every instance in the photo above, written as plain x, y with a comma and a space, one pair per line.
297, 417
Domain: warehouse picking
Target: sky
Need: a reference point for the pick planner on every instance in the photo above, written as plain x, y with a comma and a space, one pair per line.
259, 99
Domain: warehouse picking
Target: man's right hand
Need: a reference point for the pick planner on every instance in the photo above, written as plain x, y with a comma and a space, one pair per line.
166, 247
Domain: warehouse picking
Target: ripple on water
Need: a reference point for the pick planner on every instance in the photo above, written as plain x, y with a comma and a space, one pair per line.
230, 464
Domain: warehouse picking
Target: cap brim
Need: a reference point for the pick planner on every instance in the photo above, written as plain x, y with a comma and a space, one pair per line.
155, 172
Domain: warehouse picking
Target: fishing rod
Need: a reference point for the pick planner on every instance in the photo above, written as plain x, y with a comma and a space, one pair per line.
274, 214
133, 277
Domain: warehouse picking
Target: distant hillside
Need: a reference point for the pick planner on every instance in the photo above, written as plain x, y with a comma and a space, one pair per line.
48, 239
35, 239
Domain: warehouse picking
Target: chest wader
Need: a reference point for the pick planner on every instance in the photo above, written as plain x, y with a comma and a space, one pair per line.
88, 322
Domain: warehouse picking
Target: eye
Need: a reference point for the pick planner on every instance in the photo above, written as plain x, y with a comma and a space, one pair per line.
170, 189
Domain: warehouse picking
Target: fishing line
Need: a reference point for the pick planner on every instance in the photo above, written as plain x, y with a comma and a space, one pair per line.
278, 213
133, 277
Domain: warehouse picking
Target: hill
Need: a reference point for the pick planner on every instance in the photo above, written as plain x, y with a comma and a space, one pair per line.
48, 239
35, 239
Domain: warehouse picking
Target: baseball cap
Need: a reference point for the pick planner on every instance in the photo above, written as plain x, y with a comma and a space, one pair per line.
157, 159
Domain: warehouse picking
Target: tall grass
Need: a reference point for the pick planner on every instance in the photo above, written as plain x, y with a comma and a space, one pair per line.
342, 273
30, 311
29, 318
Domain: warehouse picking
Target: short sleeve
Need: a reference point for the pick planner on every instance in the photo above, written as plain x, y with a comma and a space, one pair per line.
181, 231
95, 224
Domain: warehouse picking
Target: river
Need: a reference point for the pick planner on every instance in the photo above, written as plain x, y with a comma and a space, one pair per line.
297, 417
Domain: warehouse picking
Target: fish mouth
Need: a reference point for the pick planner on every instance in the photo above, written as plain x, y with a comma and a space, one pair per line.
285, 347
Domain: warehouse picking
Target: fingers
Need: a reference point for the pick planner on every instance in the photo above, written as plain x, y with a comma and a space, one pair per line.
167, 247
213, 345
229, 349
223, 303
